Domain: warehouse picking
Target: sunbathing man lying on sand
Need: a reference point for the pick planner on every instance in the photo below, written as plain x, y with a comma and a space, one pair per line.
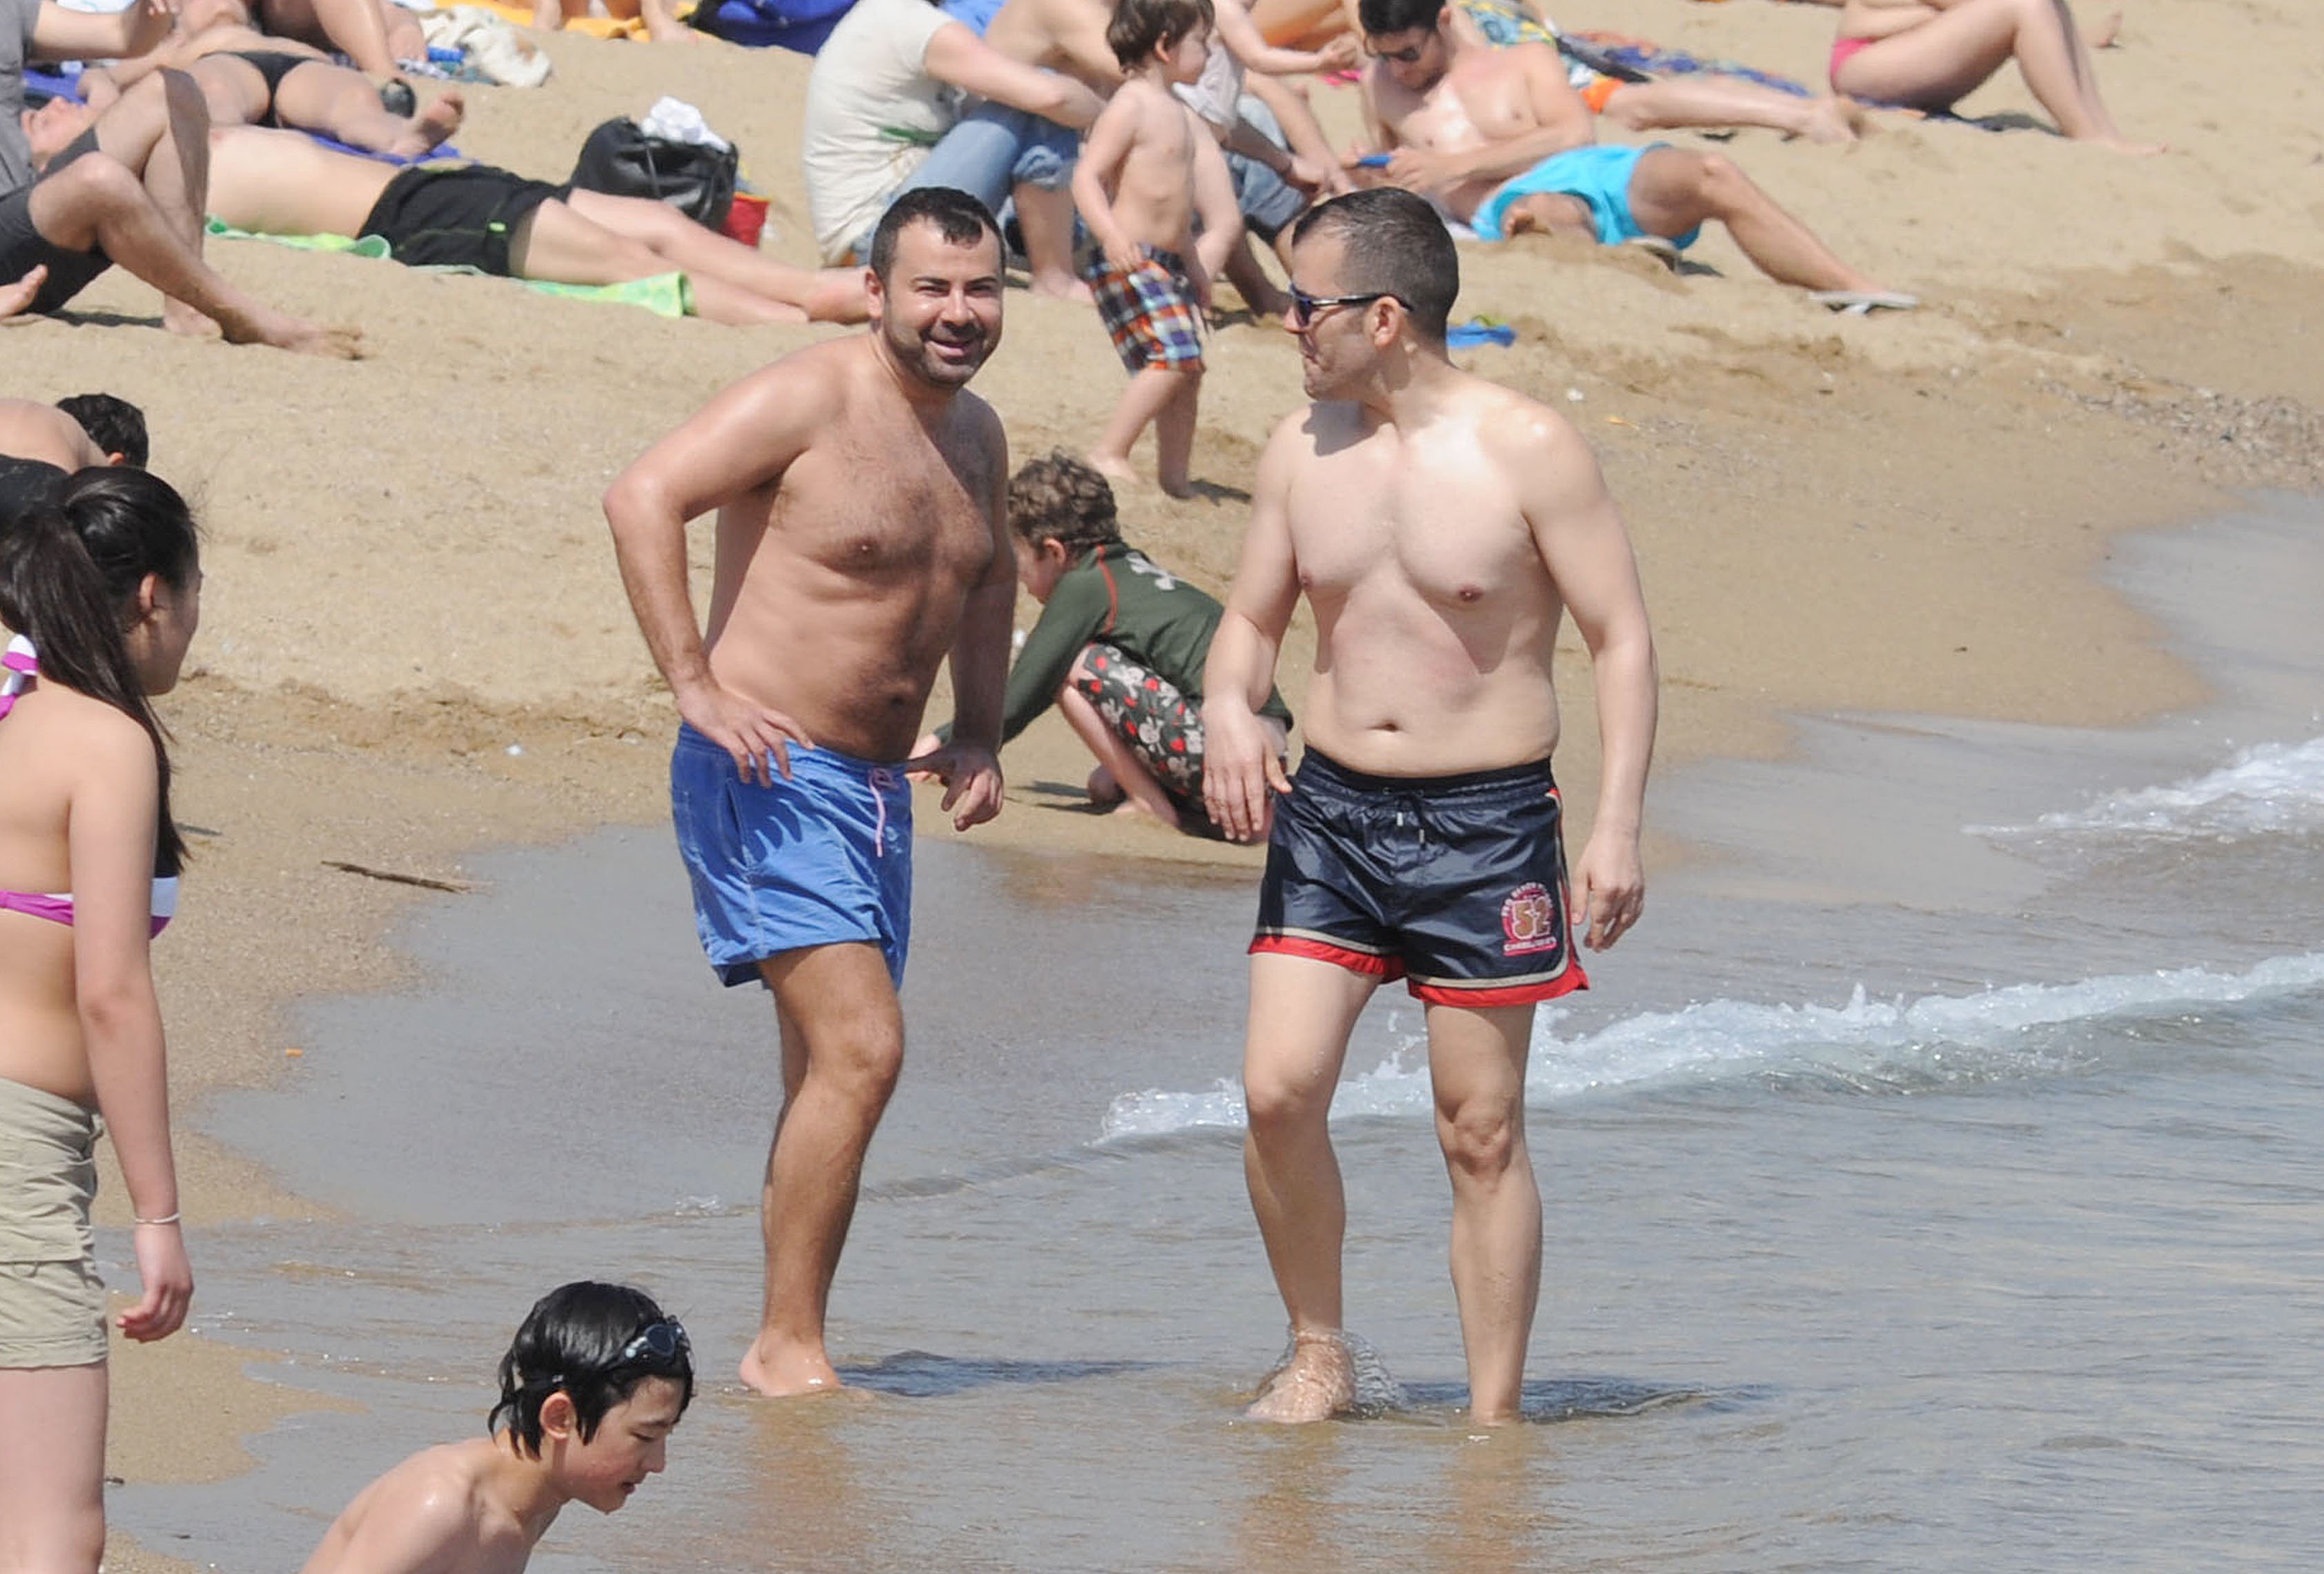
474, 216
1499, 139
127, 188
591, 1389
1930, 54
250, 80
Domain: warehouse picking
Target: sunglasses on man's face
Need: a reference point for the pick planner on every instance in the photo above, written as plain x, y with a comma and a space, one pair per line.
665, 1341
1303, 306
1403, 57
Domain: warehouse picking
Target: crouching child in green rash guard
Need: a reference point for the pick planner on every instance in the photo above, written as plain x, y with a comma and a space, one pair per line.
1119, 648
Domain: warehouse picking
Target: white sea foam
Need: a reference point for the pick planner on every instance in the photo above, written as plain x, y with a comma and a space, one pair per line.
2269, 789
1933, 1040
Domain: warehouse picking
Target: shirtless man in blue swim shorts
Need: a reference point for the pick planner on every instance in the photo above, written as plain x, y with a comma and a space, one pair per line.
1499, 139
863, 537
1441, 528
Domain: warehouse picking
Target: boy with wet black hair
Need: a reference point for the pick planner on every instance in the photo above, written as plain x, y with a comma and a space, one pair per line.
591, 1388
113, 424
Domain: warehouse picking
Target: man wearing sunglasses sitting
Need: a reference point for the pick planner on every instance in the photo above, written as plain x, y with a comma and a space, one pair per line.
1441, 528
1499, 139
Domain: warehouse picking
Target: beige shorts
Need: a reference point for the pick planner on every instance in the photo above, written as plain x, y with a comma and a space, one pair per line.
52, 1301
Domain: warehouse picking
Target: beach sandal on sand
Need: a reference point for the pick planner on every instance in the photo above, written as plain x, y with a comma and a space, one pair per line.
1864, 302
1661, 248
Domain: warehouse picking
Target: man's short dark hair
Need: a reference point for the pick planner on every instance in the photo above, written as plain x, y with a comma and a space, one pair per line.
1393, 243
113, 425
1382, 17
593, 1343
1139, 27
959, 218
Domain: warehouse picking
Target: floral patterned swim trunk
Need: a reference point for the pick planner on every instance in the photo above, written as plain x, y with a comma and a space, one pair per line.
1162, 727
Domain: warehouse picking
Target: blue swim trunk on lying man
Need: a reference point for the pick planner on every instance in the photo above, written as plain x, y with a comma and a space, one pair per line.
1600, 176
821, 858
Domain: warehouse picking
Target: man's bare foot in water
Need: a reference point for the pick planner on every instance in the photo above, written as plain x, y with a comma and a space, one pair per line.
1318, 1383
787, 1371
433, 125
1060, 285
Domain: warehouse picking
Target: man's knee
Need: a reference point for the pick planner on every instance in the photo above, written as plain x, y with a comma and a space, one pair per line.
1719, 185
858, 1057
1278, 1106
69, 206
1481, 1138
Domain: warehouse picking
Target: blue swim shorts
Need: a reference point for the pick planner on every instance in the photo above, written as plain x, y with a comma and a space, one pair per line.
1599, 176
822, 857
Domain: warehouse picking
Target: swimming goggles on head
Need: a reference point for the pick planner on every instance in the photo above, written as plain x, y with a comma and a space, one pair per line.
665, 1341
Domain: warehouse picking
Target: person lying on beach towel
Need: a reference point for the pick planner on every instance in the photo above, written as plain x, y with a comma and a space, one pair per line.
126, 189
1499, 139
474, 216
1119, 648
375, 35
596, 1379
1930, 54
250, 80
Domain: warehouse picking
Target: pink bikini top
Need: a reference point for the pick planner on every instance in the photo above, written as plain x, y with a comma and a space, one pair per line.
21, 665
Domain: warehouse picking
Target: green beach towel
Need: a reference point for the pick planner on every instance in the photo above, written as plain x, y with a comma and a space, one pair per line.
663, 294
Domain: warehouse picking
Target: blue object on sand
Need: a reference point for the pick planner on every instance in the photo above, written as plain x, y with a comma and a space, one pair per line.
1477, 333
799, 25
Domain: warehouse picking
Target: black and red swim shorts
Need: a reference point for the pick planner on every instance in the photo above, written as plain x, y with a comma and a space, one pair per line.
1455, 884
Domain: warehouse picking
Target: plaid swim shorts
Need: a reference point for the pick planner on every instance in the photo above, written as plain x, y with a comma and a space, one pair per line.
1150, 311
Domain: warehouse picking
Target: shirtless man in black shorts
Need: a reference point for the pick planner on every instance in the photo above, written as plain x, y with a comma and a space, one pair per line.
128, 188
474, 216
1441, 528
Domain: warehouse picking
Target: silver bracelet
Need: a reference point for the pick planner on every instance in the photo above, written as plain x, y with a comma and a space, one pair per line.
167, 1218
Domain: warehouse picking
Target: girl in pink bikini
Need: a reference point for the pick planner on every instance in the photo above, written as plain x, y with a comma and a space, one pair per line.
101, 587
1929, 54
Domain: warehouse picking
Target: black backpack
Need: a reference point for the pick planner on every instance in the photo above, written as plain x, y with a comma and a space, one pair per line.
621, 161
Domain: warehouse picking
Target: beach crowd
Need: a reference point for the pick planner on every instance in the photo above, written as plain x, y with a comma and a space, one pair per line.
1142, 157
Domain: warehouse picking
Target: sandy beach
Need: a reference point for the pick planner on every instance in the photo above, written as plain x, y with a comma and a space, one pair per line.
414, 645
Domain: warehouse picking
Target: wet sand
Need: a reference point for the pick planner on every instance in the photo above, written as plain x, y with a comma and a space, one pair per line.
408, 574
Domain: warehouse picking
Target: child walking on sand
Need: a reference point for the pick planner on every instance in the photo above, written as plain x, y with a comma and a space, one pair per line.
1149, 171
591, 1389
1119, 648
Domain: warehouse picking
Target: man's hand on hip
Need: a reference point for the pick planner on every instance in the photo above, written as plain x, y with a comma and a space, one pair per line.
758, 736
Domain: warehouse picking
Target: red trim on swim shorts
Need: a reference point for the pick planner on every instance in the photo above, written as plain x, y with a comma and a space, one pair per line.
1565, 983
1358, 961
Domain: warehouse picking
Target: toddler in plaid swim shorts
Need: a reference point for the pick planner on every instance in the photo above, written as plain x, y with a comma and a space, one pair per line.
1149, 171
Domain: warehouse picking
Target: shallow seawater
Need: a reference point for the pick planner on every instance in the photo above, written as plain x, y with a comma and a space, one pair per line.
1934, 1182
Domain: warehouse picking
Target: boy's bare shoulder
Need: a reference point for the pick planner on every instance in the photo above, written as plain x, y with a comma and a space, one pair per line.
431, 1514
